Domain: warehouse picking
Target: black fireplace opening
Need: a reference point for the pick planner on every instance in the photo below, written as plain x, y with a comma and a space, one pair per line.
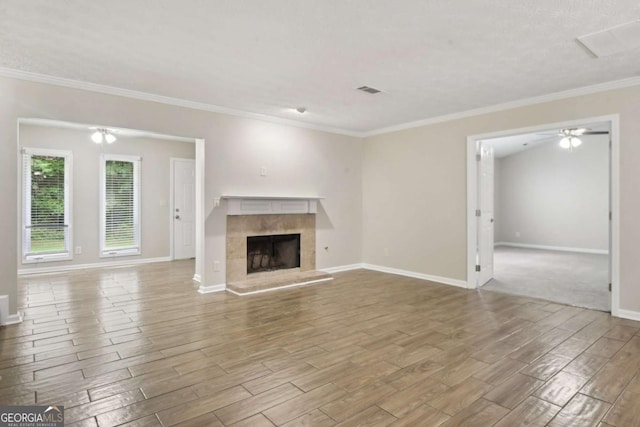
275, 252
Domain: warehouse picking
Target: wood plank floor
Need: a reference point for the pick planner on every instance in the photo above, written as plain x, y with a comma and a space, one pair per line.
139, 346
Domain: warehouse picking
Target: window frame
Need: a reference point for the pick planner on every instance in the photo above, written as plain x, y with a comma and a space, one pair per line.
137, 248
67, 254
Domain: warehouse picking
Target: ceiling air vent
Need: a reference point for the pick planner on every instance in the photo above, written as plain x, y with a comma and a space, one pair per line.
368, 89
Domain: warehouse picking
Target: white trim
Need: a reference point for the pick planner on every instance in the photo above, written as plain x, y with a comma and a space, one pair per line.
5, 317
629, 314
553, 248
12, 319
614, 238
200, 209
172, 173
472, 219
145, 96
207, 289
415, 275
196, 278
52, 152
472, 188
263, 205
294, 285
44, 257
571, 93
341, 268
123, 263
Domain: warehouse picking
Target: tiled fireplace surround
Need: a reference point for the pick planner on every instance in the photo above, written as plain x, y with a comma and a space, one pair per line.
239, 227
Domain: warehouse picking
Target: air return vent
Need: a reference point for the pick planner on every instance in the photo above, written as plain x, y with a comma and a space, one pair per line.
368, 89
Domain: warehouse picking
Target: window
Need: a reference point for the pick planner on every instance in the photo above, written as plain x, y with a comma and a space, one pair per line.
46, 205
120, 205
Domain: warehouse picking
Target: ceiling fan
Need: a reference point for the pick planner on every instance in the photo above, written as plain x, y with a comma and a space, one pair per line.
569, 138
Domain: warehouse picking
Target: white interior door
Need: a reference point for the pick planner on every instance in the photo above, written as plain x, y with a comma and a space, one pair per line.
485, 220
183, 210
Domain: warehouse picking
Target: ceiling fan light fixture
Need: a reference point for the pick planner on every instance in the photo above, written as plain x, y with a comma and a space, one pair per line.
103, 135
565, 143
575, 142
97, 137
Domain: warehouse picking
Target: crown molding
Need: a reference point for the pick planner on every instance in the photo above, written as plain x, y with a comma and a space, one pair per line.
145, 96
571, 93
161, 99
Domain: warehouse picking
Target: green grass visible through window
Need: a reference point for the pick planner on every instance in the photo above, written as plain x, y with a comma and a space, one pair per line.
47, 240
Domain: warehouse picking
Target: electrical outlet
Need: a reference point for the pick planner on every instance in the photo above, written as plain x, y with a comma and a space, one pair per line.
216, 265
78, 250
263, 171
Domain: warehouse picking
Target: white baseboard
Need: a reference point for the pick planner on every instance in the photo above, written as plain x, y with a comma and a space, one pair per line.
196, 278
415, 275
12, 319
553, 248
293, 285
5, 317
628, 314
123, 263
207, 289
342, 268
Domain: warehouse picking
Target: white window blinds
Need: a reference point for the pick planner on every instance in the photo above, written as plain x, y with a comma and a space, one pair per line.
46, 201
120, 205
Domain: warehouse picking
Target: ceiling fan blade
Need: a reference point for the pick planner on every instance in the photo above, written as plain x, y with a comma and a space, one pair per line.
597, 132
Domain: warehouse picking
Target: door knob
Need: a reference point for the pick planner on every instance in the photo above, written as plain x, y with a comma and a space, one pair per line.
177, 216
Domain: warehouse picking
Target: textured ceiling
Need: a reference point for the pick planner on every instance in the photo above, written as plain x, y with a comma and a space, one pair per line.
430, 58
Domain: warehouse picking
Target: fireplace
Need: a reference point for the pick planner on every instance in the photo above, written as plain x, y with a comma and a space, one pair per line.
273, 252
240, 230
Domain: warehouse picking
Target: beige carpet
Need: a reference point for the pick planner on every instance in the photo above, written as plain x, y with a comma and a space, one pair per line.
567, 277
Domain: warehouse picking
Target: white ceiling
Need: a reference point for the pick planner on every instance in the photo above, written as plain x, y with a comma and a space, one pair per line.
430, 58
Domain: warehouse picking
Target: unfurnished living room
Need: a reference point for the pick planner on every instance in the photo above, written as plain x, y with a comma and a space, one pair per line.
286, 213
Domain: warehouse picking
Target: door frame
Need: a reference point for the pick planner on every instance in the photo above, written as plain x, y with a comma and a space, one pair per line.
172, 176
473, 142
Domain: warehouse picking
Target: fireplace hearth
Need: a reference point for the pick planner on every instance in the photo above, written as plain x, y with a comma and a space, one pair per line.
271, 251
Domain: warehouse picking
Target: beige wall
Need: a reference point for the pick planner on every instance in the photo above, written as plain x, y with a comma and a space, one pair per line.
154, 194
414, 186
553, 197
299, 162
404, 191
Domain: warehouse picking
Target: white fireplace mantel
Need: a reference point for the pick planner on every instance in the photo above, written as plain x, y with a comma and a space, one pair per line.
262, 205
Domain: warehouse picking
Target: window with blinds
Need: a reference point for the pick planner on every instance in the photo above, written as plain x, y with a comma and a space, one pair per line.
120, 205
46, 205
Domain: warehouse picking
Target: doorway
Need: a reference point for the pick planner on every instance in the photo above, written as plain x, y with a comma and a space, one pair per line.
553, 251
183, 208
85, 162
